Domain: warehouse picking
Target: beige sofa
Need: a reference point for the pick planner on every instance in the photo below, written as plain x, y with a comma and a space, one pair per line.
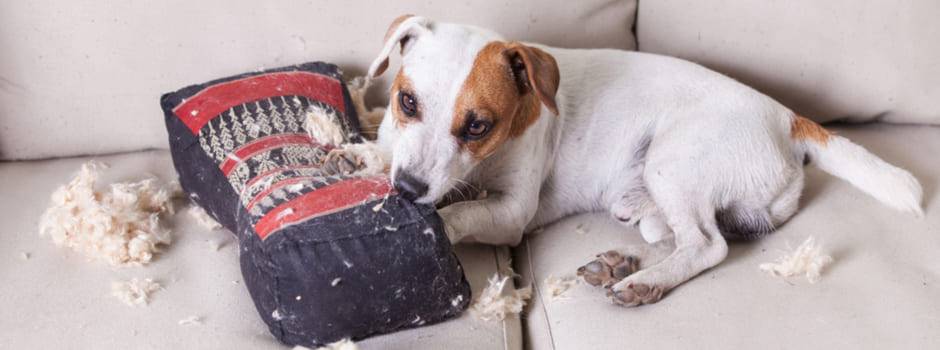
80, 80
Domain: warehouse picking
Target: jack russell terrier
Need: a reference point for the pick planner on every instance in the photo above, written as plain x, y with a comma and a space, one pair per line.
661, 143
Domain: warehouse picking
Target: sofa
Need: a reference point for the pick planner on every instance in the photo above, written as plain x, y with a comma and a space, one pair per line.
80, 81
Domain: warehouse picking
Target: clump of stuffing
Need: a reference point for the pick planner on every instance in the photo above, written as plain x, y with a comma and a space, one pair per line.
203, 218
557, 286
324, 126
134, 292
500, 299
344, 344
808, 259
120, 225
191, 321
580, 230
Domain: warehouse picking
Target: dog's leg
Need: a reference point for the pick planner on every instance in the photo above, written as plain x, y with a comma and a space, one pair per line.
636, 208
699, 244
653, 228
499, 219
613, 266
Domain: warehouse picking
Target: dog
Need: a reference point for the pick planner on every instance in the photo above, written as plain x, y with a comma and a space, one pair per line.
667, 145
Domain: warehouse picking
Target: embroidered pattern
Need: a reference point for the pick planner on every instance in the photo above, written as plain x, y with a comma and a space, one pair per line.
262, 148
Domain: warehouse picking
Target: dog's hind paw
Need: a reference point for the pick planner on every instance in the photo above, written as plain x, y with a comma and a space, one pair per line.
635, 294
609, 268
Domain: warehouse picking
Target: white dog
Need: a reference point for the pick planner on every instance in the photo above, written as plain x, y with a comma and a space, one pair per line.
660, 142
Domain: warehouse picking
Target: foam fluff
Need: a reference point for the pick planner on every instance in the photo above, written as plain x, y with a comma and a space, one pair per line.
203, 218
134, 292
808, 259
557, 286
344, 344
120, 225
323, 125
500, 299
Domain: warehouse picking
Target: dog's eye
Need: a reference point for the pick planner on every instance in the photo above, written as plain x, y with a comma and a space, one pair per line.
408, 104
476, 129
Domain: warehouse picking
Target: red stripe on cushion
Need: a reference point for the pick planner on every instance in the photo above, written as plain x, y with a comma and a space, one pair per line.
213, 100
261, 145
325, 200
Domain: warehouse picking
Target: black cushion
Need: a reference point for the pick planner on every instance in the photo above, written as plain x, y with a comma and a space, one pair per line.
324, 256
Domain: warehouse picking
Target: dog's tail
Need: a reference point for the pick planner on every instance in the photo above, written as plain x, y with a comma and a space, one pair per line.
840, 157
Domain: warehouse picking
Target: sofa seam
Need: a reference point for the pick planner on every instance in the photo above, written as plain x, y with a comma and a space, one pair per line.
538, 293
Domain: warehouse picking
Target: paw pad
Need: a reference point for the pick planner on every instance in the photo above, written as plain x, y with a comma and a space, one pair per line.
609, 268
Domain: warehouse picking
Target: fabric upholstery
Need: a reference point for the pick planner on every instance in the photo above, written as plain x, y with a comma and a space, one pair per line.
84, 77
56, 299
879, 293
829, 60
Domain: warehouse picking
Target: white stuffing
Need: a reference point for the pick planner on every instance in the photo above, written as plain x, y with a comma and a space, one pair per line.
215, 245
283, 214
344, 344
500, 299
134, 292
323, 126
203, 218
808, 259
580, 230
556, 286
120, 225
191, 321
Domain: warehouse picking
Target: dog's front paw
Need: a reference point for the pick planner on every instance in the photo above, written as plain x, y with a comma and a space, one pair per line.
630, 294
361, 158
448, 216
340, 162
610, 267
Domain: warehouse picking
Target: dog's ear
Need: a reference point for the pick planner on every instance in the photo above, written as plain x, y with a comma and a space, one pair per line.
534, 71
402, 31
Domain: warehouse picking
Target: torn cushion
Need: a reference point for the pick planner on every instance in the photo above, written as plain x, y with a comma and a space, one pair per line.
325, 256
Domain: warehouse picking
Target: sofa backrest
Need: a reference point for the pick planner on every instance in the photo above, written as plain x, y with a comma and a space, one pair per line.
828, 60
84, 77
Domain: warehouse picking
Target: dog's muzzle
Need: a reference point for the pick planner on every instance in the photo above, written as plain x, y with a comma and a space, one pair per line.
410, 187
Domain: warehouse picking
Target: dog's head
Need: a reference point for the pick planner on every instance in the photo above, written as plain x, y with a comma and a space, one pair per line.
461, 94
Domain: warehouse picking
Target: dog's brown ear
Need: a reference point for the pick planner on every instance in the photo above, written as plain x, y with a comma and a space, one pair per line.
534, 71
403, 30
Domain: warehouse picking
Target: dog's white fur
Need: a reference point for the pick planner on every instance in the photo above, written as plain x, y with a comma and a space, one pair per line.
654, 140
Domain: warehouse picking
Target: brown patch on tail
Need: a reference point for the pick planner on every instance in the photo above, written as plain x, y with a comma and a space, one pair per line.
807, 130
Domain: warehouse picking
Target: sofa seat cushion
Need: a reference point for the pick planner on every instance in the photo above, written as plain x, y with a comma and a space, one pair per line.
55, 298
880, 292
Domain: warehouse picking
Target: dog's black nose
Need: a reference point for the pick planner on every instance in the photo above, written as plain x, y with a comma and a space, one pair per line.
409, 186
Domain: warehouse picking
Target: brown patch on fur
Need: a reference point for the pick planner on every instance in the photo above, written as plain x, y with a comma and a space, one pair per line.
491, 93
402, 83
802, 128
